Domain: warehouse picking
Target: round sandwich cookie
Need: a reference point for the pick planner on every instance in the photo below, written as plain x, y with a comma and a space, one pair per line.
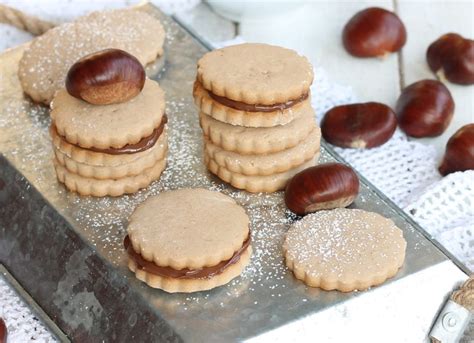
257, 85
112, 157
188, 240
257, 183
344, 249
249, 116
109, 126
249, 140
45, 63
110, 170
266, 164
112, 187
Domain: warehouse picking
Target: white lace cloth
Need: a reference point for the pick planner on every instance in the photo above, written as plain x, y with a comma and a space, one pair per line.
22, 325
404, 170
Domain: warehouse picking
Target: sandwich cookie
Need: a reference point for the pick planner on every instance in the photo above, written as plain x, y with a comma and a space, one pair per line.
188, 240
108, 126
344, 249
111, 168
44, 65
251, 84
241, 114
266, 164
256, 183
112, 187
258, 140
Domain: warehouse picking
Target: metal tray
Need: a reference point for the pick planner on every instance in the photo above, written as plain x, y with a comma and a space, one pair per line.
66, 250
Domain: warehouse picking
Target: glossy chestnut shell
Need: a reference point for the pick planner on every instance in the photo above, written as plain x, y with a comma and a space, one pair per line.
374, 32
324, 186
451, 56
364, 125
106, 77
3, 331
425, 109
459, 155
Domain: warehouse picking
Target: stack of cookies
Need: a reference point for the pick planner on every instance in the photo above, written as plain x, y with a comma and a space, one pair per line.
255, 112
109, 136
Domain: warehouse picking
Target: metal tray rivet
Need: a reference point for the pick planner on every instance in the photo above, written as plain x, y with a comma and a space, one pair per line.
450, 321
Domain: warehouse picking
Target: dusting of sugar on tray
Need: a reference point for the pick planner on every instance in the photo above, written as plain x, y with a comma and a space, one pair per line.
102, 221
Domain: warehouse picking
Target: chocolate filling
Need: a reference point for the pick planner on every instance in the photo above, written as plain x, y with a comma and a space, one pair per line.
202, 273
242, 106
144, 144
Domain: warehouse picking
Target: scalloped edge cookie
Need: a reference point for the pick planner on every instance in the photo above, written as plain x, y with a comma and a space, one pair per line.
108, 126
171, 285
178, 228
100, 188
249, 140
248, 119
340, 260
133, 168
256, 183
45, 62
255, 73
99, 159
265, 164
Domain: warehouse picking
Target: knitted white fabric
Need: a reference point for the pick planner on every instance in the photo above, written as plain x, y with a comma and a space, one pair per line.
445, 209
22, 325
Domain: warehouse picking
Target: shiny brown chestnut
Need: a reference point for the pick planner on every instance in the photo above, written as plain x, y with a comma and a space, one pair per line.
459, 155
451, 57
374, 32
321, 187
365, 125
3, 331
106, 77
425, 109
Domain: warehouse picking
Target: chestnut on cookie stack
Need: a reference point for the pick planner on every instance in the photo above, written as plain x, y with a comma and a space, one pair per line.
255, 112
108, 126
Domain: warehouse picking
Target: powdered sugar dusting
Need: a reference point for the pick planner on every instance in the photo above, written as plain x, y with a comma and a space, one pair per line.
44, 67
266, 289
344, 242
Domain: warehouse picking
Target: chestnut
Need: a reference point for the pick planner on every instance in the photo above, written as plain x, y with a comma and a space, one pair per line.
425, 108
3, 331
459, 155
365, 125
322, 187
451, 57
106, 77
374, 32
